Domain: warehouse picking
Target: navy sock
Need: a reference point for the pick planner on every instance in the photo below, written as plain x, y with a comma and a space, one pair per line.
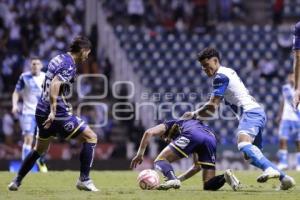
86, 160
165, 168
27, 165
214, 183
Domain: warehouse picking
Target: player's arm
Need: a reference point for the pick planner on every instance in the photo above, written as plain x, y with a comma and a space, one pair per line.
15, 100
280, 111
220, 84
16, 95
297, 68
53, 94
158, 130
194, 169
209, 108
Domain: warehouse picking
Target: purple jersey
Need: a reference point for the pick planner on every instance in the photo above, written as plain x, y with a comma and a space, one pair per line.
194, 137
64, 68
191, 126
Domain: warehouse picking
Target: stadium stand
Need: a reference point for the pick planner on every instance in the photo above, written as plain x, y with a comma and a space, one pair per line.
166, 63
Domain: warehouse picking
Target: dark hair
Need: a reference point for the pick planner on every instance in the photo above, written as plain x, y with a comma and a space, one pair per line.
79, 43
34, 58
208, 53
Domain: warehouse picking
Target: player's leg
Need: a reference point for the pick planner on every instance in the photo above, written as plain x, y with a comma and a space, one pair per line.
284, 130
283, 155
298, 146
40, 148
249, 136
298, 155
163, 164
255, 156
89, 141
41, 162
74, 127
206, 158
211, 181
28, 133
27, 145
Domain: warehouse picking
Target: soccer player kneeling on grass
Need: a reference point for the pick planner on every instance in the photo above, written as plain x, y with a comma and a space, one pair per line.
186, 137
54, 117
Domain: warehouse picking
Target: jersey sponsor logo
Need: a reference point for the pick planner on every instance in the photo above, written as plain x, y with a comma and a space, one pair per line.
182, 142
69, 126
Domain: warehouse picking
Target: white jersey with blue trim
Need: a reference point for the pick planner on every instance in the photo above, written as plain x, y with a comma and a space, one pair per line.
228, 84
30, 87
289, 112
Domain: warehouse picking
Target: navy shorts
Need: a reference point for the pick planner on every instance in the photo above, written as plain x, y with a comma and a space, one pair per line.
66, 128
201, 142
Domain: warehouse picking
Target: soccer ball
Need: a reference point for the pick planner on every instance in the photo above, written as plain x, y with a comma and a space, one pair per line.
148, 179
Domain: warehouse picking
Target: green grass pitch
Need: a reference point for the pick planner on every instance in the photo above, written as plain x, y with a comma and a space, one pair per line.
123, 185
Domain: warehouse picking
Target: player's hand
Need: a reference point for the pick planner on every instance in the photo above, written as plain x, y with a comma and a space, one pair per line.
49, 121
137, 160
187, 116
15, 110
297, 98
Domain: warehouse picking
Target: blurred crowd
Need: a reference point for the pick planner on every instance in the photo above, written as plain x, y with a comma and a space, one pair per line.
174, 14
34, 28
42, 29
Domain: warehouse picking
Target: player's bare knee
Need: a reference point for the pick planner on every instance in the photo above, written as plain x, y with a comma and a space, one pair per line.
89, 136
40, 149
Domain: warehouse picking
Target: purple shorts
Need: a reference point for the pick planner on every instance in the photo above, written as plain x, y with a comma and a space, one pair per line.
67, 127
200, 141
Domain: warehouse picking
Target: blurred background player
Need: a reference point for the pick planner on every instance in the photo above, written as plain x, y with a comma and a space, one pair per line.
228, 86
54, 115
29, 87
186, 137
289, 124
296, 48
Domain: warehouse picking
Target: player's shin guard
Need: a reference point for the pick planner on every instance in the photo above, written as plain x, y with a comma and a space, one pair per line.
86, 160
254, 154
214, 183
165, 168
27, 165
25, 150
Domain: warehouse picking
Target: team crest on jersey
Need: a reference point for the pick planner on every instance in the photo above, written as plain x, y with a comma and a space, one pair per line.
182, 142
69, 126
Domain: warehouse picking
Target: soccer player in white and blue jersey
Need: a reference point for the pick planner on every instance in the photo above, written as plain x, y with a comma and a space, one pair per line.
228, 86
29, 87
296, 49
289, 124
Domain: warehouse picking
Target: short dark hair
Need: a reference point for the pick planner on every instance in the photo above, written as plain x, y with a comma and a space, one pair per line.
80, 42
208, 53
34, 58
